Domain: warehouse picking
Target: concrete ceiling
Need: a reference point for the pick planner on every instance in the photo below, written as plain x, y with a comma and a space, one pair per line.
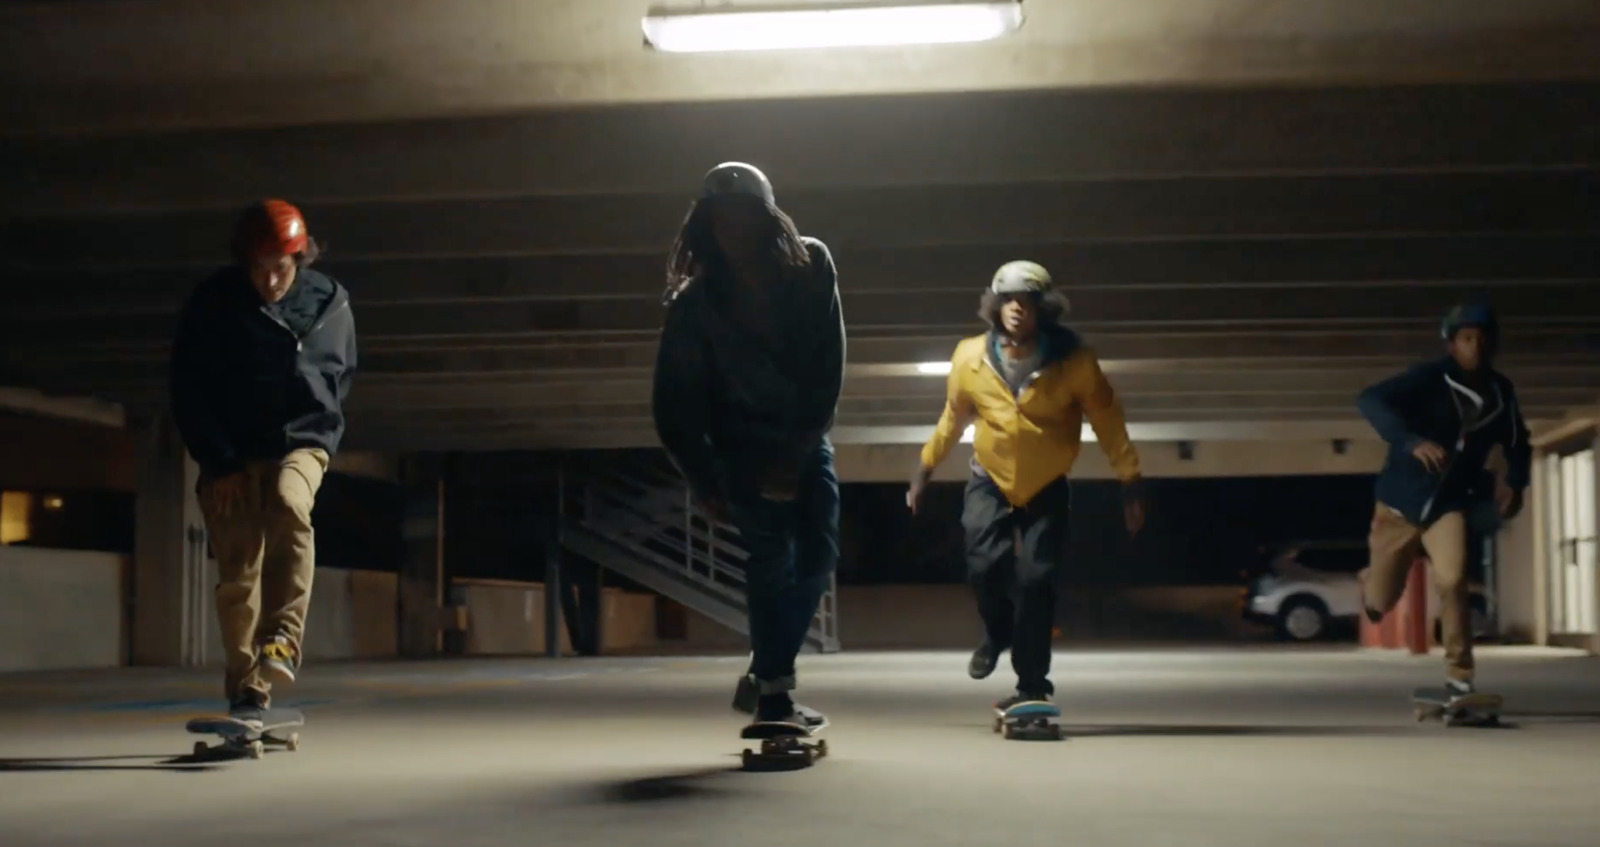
1247, 239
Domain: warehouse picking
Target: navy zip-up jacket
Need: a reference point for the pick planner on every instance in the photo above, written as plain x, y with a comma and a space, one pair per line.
1425, 403
724, 395
250, 381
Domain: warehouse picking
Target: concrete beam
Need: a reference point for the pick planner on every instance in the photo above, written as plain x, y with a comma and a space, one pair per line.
87, 67
88, 410
1556, 202
816, 144
1568, 303
1444, 260
110, 364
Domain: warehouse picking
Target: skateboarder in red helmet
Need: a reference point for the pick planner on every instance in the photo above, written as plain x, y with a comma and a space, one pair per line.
1441, 419
261, 365
747, 379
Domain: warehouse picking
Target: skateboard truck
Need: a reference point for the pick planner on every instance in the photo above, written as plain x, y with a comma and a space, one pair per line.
782, 744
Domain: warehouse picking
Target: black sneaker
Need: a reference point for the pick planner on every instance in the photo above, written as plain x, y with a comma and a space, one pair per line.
781, 708
983, 662
1021, 697
746, 695
250, 706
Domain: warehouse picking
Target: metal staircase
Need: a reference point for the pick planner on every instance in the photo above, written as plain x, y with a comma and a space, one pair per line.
641, 522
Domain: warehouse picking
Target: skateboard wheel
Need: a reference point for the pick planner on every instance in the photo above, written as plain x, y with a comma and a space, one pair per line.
1060, 733
292, 743
200, 749
998, 724
748, 758
257, 749
822, 749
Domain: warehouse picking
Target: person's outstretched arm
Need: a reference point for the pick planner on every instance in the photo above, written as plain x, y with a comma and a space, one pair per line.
1104, 410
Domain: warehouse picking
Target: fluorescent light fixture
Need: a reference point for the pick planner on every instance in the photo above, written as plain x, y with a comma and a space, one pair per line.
934, 368
790, 26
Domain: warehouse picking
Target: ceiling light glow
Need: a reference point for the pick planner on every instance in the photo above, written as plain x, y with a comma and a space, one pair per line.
790, 27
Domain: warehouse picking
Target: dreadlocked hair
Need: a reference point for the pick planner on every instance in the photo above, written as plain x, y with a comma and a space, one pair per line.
696, 254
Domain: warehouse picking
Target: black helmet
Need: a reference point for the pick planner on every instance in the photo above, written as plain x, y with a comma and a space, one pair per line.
737, 178
1480, 315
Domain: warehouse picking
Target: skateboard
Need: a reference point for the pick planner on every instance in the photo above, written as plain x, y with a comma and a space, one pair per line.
249, 737
782, 743
1456, 710
1030, 719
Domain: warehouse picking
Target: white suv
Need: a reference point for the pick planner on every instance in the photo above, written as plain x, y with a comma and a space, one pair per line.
1307, 589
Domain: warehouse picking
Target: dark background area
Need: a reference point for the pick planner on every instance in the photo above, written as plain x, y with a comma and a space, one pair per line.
1198, 531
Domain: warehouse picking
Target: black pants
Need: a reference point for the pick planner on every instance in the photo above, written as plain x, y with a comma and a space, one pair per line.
1012, 559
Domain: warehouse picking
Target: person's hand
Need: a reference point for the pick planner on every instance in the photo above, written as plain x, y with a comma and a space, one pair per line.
919, 484
1431, 455
1507, 500
714, 509
227, 492
1133, 507
1133, 516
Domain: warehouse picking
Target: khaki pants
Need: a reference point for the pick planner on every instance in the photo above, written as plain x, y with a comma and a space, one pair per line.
1395, 544
265, 560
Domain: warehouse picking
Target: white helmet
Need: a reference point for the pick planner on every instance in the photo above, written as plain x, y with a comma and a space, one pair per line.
1021, 277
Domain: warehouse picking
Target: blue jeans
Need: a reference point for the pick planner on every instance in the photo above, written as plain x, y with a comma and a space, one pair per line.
793, 546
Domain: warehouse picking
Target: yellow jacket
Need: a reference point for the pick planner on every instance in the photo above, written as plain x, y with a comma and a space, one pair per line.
1028, 441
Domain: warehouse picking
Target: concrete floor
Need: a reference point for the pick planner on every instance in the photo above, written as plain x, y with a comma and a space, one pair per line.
1183, 747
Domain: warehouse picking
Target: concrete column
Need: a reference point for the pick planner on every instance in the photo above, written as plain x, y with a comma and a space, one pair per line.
422, 564
170, 602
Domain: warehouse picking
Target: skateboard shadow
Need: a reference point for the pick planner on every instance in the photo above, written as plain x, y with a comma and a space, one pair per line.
668, 788
1554, 717
1225, 730
173, 764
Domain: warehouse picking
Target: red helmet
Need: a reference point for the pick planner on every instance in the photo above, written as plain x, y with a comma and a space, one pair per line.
271, 228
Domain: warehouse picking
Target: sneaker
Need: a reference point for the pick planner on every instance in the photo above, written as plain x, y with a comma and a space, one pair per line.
249, 706
1459, 687
983, 661
780, 708
746, 695
278, 659
1020, 697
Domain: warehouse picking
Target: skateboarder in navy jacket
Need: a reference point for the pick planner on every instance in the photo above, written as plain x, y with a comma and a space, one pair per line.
1441, 419
747, 380
263, 359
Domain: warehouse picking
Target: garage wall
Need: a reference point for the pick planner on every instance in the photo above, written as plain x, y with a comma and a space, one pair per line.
60, 609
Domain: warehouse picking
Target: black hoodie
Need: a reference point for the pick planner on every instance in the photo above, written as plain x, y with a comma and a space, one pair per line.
722, 396
1425, 403
252, 381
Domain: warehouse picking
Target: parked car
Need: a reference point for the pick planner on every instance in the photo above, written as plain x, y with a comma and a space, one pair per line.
1307, 590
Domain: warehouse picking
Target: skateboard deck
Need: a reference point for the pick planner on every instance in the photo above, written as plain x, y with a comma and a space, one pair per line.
783, 743
1477, 709
1030, 719
249, 737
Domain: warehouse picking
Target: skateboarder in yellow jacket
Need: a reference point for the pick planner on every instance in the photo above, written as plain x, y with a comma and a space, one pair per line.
1026, 386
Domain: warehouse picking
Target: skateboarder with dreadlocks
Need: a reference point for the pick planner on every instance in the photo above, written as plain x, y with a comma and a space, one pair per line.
1441, 418
263, 359
1025, 386
748, 374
